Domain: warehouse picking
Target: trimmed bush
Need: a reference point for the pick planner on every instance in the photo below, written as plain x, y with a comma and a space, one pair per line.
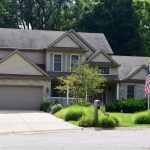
56, 108
84, 103
44, 106
74, 114
127, 106
108, 122
86, 121
49, 108
143, 118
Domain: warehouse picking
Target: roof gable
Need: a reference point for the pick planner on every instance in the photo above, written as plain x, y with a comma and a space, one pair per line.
129, 65
101, 56
68, 41
16, 63
138, 73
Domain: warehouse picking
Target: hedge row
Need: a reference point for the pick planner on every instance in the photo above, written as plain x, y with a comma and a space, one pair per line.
127, 106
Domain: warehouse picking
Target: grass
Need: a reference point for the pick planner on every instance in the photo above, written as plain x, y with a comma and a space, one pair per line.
125, 119
87, 110
62, 113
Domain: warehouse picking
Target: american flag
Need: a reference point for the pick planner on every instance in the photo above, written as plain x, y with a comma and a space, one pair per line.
147, 82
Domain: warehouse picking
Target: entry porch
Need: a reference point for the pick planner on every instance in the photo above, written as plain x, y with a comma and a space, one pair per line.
110, 93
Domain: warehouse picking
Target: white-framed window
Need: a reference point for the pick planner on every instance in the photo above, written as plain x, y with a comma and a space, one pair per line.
104, 70
57, 62
130, 91
74, 61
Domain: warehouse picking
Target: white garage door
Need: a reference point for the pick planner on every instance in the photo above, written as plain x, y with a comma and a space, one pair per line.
20, 97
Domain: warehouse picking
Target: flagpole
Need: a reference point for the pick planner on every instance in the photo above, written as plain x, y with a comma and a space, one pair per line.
147, 85
148, 100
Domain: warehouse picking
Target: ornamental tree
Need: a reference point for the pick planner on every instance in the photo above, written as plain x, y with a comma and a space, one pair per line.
83, 83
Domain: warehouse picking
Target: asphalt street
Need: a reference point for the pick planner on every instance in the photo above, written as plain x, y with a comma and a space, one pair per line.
78, 140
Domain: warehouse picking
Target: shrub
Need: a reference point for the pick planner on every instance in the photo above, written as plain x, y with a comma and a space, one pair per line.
127, 106
74, 114
56, 108
108, 122
44, 106
84, 103
86, 121
49, 108
143, 118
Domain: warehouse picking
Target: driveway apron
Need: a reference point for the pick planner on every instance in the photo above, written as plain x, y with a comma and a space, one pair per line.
31, 121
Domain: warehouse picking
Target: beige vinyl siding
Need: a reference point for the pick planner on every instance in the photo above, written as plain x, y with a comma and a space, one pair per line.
68, 62
18, 65
89, 51
101, 58
51, 62
113, 70
67, 42
47, 61
140, 74
36, 57
65, 60
63, 63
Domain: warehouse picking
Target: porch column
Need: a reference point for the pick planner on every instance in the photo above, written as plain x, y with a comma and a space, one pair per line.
67, 93
117, 94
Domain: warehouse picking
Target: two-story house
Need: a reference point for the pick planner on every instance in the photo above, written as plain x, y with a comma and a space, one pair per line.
31, 61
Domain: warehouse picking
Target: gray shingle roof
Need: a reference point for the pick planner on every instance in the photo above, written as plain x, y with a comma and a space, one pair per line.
129, 64
38, 39
98, 41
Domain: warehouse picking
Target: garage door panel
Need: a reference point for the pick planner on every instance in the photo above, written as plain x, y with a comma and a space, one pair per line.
20, 97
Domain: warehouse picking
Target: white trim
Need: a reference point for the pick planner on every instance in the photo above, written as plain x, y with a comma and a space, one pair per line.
61, 61
105, 67
71, 59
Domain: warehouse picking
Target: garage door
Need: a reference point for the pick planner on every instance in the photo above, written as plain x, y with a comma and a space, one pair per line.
20, 97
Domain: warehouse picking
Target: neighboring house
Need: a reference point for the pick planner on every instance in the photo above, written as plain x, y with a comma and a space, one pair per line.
31, 60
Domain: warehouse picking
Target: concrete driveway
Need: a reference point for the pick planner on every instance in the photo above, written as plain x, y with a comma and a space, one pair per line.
31, 121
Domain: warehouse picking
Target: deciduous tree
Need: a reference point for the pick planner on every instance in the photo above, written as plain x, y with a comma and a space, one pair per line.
83, 83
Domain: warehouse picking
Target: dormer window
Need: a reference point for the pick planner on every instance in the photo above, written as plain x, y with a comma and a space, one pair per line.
74, 62
104, 70
57, 62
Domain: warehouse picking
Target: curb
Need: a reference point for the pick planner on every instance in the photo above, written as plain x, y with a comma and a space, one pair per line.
40, 131
118, 128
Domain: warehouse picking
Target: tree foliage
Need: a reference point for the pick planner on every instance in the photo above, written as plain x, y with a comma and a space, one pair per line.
8, 14
118, 21
142, 9
84, 81
42, 14
126, 23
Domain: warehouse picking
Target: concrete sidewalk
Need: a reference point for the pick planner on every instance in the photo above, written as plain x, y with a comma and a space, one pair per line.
31, 121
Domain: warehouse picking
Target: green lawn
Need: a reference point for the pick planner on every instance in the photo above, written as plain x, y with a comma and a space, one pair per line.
125, 119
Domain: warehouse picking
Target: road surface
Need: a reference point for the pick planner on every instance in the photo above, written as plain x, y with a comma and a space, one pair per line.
78, 140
